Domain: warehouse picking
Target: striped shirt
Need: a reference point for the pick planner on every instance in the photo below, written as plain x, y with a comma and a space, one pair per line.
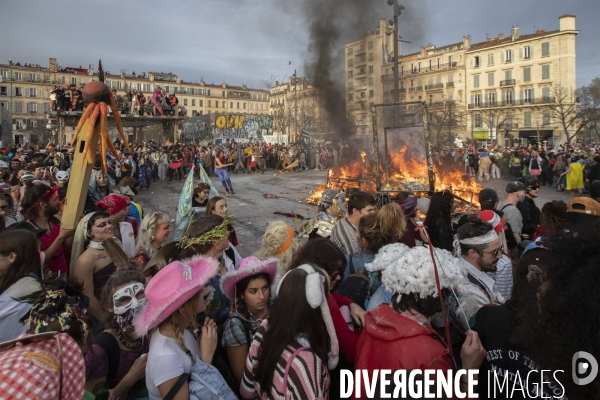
308, 377
343, 236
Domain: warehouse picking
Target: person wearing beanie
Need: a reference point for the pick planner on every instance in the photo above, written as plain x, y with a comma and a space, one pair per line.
515, 192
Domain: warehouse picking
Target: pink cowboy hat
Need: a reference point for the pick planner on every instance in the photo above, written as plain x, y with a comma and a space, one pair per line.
249, 266
171, 287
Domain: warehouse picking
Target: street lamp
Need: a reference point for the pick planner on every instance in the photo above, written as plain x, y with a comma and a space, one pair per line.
397, 11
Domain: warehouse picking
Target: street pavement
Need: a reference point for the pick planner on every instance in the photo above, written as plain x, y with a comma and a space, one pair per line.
288, 191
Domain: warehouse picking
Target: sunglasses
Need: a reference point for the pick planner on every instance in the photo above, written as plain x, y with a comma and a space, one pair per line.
534, 187
495, 252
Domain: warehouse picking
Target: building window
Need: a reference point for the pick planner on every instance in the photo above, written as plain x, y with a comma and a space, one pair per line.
476, 81
223, 94
527, 74
19, 76
370, 57
73, 81
370, 69
450, 61
32, 93
546, 71
351, 96
508, 75
209, 103
546, 117
201, 103
546, 49
371, 93
362, 46
208, 92
18, 91
491, 98
546, 94
491, 59
419, 67
430, 99
350, 74
371, 81
351, 62
491, 79
439, 63
223, 104
193, 102
477, 100
231, 104
527, 95
477, 120
527, 52
217, 103
350, 51
507, 55
450, 77
476, 62
527, 118
350, 85
370, 45
185, 102
238, 104
509, 97
362, 95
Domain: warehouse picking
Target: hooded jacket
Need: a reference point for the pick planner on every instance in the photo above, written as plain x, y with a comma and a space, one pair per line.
392, 341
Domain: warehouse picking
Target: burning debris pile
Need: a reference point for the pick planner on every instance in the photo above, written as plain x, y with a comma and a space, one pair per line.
407, 172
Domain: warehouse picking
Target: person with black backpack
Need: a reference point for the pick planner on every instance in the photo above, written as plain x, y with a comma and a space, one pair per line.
117, 362
249, 289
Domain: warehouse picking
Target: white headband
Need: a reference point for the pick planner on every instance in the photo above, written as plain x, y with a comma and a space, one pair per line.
315, 295
484, 239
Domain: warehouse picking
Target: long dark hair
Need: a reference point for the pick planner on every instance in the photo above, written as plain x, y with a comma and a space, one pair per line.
291, 315
25, 245
440, 207
322, 253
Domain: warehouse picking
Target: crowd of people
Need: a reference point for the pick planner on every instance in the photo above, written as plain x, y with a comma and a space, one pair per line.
570, 167
140, 315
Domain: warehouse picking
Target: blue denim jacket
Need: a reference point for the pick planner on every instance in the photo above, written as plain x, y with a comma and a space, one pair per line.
206, 383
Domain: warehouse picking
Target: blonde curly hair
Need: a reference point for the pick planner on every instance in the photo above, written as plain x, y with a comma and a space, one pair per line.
275, 235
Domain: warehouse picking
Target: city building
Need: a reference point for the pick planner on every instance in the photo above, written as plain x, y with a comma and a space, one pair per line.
25, 92
511, 83
6, 137
502, 89
363, 63
296, 106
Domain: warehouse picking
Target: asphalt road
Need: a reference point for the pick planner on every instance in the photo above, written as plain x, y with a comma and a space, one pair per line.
253, 211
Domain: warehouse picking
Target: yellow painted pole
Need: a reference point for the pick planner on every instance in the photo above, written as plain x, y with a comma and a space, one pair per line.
79, 180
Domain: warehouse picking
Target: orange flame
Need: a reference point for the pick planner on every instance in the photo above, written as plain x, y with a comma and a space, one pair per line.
406, 173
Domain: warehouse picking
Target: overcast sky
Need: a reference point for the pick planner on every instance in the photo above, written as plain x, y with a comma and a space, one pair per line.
248, 41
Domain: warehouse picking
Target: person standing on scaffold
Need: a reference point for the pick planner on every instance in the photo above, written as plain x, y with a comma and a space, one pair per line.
221, 168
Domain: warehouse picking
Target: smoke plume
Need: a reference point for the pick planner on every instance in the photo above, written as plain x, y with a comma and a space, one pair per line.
334, 23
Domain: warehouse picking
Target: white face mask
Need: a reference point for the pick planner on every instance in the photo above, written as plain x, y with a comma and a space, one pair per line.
130, 297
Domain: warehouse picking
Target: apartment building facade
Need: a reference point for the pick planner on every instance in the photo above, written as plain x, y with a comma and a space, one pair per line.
511, 81
25, 92
363, 63
497, 90
296, 106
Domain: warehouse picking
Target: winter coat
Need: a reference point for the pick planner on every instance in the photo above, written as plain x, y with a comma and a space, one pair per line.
392, 341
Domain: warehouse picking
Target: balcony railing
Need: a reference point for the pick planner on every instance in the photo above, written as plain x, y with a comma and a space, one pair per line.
511, 103
509, 82
450, 84
400, 90
434, 86
415, 89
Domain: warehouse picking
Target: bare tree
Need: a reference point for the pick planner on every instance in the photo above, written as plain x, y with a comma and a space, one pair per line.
271, 81
575, 110
445, 121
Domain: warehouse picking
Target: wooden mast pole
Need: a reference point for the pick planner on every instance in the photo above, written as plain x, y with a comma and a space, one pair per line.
79, 181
